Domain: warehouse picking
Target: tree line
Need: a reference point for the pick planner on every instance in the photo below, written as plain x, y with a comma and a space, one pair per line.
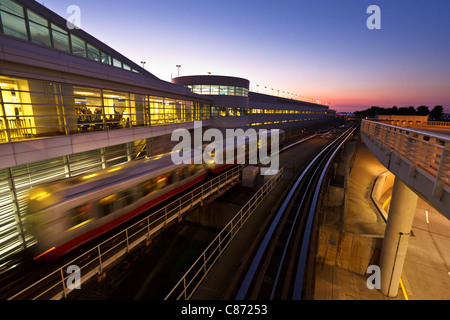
435, 114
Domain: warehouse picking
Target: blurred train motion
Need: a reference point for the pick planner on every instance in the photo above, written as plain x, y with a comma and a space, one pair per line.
65, 214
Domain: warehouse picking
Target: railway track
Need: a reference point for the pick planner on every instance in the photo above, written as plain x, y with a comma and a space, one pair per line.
277, 271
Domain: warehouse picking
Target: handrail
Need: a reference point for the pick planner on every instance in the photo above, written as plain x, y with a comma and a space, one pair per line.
200, 268
428, 150
100, 257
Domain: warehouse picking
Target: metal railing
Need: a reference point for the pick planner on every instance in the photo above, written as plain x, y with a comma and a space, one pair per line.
427, 151
192, 279
57, 285
439, 123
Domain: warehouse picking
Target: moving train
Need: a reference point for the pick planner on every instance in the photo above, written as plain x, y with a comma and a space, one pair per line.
65, 214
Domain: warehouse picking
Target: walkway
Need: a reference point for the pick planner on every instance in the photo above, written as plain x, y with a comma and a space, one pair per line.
426, 273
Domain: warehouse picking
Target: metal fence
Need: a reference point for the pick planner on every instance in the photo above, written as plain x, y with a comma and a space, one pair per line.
192, 279
59, 284
428, 151
439, 123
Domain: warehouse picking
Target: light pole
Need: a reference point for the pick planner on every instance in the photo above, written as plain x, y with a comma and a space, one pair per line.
143, 64
178, 66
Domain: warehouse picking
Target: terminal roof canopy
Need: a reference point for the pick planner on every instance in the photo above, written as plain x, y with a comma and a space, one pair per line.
29, 20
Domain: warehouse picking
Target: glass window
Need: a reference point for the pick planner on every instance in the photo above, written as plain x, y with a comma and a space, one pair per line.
126, 67
117, 111
14, 26
37, 18
78, 46
197, 89
106, 58
206, 89
83, 108
189, 106
169, 105
60, 38
214, 90
39, 34
11, 7
92, 52
156, 110
223, 90
239, 91
138, 106
116, 63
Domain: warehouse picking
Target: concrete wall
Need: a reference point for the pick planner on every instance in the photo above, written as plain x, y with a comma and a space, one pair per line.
347, 251
385, 181
336, 246
399, 120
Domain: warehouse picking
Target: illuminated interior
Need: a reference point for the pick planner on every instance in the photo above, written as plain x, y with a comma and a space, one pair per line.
209, 89
32, 109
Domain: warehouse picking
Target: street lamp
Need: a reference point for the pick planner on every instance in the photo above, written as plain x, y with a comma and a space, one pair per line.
178, 66
143, 64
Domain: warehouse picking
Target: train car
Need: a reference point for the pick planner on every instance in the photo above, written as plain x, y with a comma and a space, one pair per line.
249, 148
65, 214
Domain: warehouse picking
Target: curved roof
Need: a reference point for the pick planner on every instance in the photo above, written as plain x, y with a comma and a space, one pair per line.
212, 80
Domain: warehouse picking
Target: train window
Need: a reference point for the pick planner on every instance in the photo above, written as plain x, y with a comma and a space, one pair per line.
156, 184
164, 180
106, 205
148, 187
192, 169
81, 215
125, 198
181, 173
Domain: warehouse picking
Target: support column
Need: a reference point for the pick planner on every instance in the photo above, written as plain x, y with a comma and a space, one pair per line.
396, 237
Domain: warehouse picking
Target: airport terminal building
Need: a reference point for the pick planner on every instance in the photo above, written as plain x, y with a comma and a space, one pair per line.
70, 104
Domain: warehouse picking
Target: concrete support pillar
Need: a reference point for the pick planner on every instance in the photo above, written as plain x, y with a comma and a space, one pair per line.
396, 237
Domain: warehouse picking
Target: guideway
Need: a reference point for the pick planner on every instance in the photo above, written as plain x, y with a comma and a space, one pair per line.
279, 268
225, 278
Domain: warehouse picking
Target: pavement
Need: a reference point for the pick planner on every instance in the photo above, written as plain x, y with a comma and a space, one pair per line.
426, 272
437, 130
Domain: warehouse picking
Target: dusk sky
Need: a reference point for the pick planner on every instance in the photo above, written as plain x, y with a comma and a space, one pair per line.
320, 49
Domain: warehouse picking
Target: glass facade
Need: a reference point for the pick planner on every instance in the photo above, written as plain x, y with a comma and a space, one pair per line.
228, 111
25, 24
238, 112
255, 111
218, 90
33, 109
278, 122
16, 182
